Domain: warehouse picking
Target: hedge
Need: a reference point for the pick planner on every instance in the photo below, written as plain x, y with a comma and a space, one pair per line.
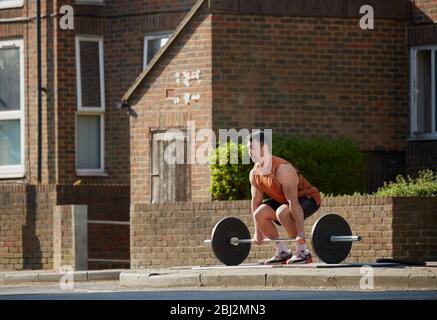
334, 166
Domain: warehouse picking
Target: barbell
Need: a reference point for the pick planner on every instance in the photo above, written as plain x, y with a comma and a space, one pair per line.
331, 239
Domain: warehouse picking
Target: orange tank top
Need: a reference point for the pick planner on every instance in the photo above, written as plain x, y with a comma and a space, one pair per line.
271, 186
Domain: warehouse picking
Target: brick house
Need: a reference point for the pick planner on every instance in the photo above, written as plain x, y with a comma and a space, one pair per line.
85, 138
298, 67
307, 63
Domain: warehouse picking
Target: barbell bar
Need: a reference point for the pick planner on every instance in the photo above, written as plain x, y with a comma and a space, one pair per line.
331, 239
235, 241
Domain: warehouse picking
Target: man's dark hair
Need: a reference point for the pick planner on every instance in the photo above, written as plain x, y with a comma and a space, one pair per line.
257, 135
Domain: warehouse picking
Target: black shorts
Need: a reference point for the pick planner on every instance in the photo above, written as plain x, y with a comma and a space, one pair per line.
309, 206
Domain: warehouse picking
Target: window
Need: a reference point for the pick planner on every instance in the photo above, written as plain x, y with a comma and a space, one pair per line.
11, 109
90, 2
423, 67
90, 138
4, 4
152, 44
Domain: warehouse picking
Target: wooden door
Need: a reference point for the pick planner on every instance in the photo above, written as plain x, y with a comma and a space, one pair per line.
170, 172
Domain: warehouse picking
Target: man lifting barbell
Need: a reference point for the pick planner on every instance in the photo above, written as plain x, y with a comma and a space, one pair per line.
292, 199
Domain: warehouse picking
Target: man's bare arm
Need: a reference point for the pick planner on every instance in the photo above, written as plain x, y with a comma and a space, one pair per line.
257, 197
289, 180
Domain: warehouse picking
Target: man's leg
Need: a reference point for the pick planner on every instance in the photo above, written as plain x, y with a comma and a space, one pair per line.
284, 216
264, 216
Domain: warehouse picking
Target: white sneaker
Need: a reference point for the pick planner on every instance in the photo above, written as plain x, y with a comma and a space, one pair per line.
301, 257
279, 257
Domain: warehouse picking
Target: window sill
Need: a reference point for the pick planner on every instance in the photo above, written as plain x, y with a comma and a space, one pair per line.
90, 3
80, 173
12, 175
422, 138
11, 5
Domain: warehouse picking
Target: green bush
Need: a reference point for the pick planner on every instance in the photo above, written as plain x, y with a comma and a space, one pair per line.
424, 185
229, 181
333, 166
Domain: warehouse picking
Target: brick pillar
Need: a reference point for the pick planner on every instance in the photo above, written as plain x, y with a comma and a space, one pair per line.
70, 237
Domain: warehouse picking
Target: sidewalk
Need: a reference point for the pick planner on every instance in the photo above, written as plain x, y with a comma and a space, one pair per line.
314, 276
38, 276
250, 276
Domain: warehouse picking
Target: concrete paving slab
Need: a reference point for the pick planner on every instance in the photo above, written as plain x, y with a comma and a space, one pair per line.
20, 278
96, 275
156, 280
80, 276
232, 280
50, 277
382, 278
422, 281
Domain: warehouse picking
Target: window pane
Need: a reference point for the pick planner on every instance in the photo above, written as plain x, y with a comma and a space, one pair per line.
9, 79
88, 142
10, 142
90, 74
153, 46
10, 3
163, 41
424, 91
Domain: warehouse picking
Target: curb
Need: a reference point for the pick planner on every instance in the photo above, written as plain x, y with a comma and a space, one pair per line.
151, 280
282, 279
79, 276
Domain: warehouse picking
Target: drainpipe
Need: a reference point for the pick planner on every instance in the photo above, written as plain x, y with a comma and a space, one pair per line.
39, 89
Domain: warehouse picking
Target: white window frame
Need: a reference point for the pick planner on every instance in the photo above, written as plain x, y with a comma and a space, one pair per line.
100, 171
413, 96
90, 2
91, 111
16, 171
11, 4
80, 107
152, 36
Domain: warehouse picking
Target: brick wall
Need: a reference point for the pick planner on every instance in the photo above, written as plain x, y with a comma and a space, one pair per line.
26, 231
26, 31
89, 20
127, 24
105, 203
415, 228
31, 247
123, 26
298, 75
312, 76
190, 52
421, 155
173, 234
26, 224
142, 7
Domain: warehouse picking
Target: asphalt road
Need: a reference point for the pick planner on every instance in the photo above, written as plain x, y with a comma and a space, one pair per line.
111, 291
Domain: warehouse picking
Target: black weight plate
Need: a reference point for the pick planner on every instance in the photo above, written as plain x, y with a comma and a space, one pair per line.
222, 233
327, 226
